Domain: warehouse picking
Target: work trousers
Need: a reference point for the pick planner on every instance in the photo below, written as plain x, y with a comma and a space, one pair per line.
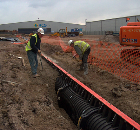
33, 61
85, 56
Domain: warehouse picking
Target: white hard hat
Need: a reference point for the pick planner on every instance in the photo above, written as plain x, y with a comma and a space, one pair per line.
40, 30
70, 42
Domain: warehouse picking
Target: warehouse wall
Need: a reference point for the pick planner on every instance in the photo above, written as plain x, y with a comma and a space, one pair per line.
93, 26
99, 27
55, 26
108, 25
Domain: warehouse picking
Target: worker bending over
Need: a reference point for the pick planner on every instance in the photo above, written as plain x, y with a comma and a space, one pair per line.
32, 48
83, 50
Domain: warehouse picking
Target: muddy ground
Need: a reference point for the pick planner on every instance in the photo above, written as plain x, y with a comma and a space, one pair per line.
28, 103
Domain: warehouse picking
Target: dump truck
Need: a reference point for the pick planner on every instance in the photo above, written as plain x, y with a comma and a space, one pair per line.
74, 31
129, 37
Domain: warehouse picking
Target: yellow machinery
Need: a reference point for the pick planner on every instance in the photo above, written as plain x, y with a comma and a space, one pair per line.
55, 34
62, 32
80, 34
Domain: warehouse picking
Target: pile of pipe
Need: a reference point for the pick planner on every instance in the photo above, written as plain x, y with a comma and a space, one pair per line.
9, 39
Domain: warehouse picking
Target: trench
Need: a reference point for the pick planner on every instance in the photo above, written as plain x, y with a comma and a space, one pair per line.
85, 108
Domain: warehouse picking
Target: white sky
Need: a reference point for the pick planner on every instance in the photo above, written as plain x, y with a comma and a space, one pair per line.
67, 11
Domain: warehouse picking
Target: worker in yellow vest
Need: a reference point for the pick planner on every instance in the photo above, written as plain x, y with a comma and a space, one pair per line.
32, 48
83, 50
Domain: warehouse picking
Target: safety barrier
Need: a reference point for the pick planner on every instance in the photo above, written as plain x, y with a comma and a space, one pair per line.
117, 60
87, 109
120, 60
123, 61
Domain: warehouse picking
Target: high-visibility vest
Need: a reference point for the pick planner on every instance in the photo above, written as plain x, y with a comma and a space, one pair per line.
28, 46
82, 45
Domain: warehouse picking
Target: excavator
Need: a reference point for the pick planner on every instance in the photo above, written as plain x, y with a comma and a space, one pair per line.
61, 33
129, 37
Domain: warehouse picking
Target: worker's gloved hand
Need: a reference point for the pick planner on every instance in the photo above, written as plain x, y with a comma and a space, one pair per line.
74, 56
39, 51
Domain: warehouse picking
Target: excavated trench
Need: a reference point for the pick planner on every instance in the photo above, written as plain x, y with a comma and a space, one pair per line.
86, 109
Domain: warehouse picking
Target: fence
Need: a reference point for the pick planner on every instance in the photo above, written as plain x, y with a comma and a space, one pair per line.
99, 32
121, 61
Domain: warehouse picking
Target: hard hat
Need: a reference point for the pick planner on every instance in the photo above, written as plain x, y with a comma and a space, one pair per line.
70, 42
40, 30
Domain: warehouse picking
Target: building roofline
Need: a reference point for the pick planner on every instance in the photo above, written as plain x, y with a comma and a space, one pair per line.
113, 18
38, 21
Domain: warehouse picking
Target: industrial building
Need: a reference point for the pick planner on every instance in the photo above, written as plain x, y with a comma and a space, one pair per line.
91, 28
31, 26
112, 25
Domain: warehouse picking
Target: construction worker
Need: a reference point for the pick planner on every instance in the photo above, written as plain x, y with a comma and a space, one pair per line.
32, 48
82, 49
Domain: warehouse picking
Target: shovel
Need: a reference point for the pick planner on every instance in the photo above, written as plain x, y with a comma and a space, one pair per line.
41, 61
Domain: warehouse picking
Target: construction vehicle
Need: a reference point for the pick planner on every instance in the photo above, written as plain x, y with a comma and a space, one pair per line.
80, 34
56, 34
62, 33
129, 37
74, 31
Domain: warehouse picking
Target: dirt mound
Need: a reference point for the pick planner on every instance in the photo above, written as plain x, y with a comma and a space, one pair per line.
110, 39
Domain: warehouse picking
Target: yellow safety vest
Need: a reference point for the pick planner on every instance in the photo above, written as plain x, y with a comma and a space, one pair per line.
28, 46
82, 45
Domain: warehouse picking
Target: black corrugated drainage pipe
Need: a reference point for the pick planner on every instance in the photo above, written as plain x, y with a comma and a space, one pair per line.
87, 112
73, 104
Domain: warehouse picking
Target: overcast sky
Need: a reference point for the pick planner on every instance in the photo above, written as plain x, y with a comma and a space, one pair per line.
67, 11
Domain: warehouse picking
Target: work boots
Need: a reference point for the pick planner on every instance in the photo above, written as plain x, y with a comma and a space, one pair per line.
85, 68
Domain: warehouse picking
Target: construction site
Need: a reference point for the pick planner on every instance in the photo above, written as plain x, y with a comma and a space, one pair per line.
63, 98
